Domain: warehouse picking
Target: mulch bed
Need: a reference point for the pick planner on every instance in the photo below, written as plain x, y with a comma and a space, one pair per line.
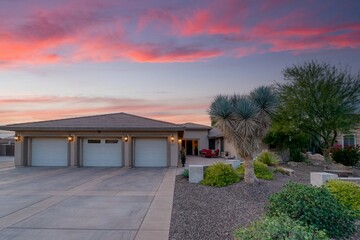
210, 213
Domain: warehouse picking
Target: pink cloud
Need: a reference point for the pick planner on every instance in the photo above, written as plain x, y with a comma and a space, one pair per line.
204, 22
93, 32
37, 108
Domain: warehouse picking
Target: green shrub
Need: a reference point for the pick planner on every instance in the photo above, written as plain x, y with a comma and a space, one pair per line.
347, 193
296, 155
262, 171
313, 206
279, 228
220, 175
347, 155
185, 173
268, 158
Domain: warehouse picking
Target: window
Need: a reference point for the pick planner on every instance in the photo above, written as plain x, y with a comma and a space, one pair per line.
94, 141
349, 140
112, 141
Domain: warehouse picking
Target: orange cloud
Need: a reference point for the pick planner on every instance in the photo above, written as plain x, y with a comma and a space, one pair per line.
104, 32
47, 107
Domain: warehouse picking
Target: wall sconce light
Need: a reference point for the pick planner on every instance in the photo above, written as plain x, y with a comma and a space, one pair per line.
179, 140
17, 138
70, 138
172, 138
126, 138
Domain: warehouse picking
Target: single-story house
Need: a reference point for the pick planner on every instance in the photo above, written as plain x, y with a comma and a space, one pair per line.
111, 140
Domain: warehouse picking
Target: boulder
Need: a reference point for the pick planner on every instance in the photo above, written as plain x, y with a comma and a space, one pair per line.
316, 159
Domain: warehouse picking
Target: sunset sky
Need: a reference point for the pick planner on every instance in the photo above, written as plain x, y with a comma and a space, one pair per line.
160, 59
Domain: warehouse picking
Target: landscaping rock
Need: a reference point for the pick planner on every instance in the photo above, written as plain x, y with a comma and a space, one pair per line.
320, 178
196, 173
316, 159
296, 164
287, 171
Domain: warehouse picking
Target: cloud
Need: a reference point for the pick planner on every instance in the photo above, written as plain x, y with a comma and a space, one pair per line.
37, 108
162, 32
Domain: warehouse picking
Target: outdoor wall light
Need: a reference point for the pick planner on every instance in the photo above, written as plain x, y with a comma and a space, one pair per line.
172, 138
70, 138
179, 140
126, 138
17, 138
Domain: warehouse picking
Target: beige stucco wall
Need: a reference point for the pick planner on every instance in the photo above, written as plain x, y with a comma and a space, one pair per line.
355, 131
200, 135
23, 147
229, 147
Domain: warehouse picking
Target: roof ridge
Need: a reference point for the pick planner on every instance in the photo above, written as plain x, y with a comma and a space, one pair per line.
129, 114
62, 119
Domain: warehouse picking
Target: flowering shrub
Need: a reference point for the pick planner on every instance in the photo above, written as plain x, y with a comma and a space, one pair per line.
347, 155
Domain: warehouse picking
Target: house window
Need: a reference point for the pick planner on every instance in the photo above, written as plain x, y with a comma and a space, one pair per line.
94, 141
111, 141
349, 140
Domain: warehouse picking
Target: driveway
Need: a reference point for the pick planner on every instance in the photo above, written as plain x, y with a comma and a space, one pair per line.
6, 162
86, 203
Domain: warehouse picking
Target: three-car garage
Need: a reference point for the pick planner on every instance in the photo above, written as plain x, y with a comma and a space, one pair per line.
109, 140
99, 152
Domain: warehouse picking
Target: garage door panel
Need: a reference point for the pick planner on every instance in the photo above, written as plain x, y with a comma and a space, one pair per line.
49, 152
102, 152
150, 152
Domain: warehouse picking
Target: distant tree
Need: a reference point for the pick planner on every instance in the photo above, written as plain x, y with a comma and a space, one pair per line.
319, 99
244, 119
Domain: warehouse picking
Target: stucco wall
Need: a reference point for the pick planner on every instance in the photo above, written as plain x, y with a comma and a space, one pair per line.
200, 135
229, 147
23, 147
356, 132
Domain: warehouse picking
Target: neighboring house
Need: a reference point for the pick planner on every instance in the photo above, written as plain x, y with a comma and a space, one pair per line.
350, 139
7, 146
111, 140
195, 138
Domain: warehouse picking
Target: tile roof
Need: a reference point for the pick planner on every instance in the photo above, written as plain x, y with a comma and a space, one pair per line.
114, 121
195, 126
215, 133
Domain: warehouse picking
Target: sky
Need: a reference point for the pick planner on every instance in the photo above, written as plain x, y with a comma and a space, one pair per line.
160, 59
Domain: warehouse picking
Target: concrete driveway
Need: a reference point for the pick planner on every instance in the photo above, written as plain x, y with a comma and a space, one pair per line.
86, 203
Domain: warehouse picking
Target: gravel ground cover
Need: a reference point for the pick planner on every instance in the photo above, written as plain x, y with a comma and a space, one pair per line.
209, 213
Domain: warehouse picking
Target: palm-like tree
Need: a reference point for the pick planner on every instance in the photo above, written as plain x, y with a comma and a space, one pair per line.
245, 119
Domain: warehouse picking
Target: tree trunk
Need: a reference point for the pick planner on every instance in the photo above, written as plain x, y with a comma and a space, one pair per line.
249, 176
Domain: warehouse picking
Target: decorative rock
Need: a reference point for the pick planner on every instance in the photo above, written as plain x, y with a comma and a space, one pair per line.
316, 156
234, 163
196, 173
320, 178
288, 171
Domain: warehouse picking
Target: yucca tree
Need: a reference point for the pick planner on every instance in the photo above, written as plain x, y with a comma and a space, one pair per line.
244, 120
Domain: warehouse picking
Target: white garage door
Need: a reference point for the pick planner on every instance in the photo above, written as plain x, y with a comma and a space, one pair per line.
49, 152
102, 152
150, 152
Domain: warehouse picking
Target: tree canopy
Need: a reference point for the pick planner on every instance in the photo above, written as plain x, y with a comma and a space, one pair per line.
319, 99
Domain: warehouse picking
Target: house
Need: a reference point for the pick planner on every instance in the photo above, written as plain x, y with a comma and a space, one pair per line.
110, 140
7, 146
349, 139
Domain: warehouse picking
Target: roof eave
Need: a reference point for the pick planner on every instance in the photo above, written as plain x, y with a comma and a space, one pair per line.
146, 129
